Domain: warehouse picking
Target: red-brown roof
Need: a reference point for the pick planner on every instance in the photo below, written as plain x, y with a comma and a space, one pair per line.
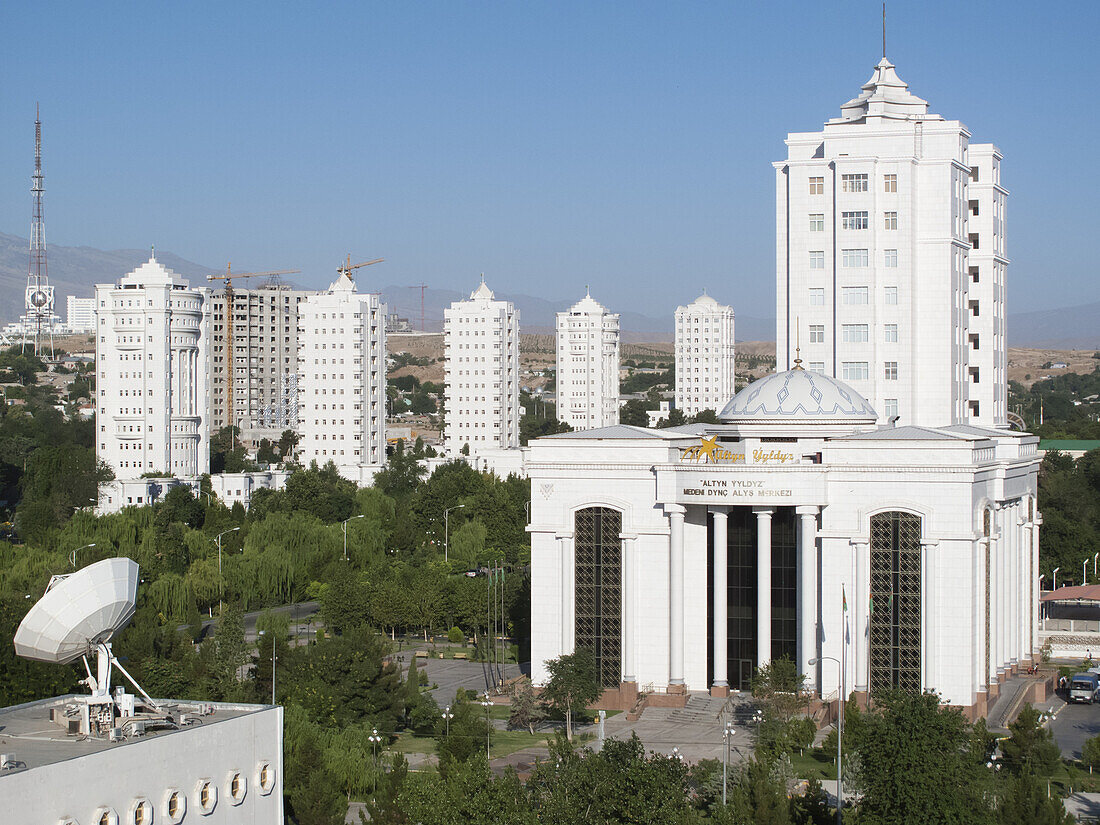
1082, 592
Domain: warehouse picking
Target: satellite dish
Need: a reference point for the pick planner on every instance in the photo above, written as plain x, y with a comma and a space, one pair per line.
79, 612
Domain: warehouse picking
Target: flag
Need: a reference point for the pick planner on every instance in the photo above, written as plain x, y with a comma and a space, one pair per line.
844, 599
871, 604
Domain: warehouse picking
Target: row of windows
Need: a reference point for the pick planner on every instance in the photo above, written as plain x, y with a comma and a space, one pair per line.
858, 182
854, 333
854, 295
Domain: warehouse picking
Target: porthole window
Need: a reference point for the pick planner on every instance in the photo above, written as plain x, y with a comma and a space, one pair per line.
105, 816
236, 786
206, 796
265, 778
141, 812
175, 806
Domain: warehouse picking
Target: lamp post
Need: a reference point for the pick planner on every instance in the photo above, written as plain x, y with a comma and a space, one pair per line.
72, 555
1041, 577
346, 533
839, 733
1085, 572
447, 526
218, 541
676, 754
374, 739
727, 734
447, 717
1095, 556
1054, 583
486, 703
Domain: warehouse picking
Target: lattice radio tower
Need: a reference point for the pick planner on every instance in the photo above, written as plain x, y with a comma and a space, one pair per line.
38, 321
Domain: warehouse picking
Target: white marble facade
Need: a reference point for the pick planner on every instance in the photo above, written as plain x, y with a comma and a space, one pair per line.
804, 452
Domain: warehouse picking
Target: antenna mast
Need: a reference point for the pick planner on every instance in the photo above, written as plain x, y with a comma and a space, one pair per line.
38, 320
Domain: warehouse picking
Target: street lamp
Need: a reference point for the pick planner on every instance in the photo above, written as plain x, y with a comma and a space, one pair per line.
346, 533
218, 541
486, 703
72, 555
374, 739
447, 717
676, 754
839, 733
727, 734
446, 527
1054, 584
1095, 556
1085, 572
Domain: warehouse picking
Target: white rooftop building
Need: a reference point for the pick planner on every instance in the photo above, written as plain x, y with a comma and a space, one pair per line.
588, 365
481, 356
891, 261
80, 314
151, 377
704, 355
342, 380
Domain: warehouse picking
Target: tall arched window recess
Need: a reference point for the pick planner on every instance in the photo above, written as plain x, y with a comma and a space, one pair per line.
895, 602
598, 589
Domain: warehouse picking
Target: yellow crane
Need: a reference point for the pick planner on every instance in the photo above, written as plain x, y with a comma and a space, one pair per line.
228, 278
349, 267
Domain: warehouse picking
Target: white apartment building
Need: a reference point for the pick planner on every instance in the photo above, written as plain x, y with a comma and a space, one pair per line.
588, 365
342, 380
80, 314
890, 259
264, 358
151, 389
481, 357
704, 356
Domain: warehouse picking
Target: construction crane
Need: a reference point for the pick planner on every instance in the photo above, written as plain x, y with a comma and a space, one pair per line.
229, 370
421, 287
349, 267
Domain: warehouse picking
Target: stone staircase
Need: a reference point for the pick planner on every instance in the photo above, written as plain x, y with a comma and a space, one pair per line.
701, 708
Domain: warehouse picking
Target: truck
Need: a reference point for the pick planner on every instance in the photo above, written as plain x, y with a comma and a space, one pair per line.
1083, 688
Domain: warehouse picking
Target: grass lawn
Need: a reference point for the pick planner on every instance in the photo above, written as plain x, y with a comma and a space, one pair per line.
814, 764
1067, 775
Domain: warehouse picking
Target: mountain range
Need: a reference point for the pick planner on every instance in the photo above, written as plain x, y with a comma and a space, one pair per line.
73, 270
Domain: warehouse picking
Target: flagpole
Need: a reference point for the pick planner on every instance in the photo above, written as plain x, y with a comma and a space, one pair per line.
840, 704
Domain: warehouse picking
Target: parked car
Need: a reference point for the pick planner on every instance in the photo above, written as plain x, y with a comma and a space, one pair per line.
1083, 688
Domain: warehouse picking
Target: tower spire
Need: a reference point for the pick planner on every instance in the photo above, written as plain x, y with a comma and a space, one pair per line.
38, 320
884, 28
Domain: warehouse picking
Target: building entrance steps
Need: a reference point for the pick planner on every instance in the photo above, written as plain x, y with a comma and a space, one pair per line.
1014, 692
701, 707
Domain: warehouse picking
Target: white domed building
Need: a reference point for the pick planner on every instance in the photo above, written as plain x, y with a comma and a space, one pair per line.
818, 521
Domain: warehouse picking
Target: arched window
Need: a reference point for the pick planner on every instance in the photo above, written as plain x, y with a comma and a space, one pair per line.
598, 589
895, 602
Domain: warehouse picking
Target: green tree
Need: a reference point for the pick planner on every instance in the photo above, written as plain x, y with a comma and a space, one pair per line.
526, 712
1090, 753
465, 736
1023, 799
1031, 746
401, 475
780, 688
916, 764
620, 784
572, 685
633, 412
230, 652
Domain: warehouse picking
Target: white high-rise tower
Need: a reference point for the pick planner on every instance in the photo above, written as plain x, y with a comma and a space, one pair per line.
588, 365
151, 387
704, 356
342, 380
890, 259
481, 357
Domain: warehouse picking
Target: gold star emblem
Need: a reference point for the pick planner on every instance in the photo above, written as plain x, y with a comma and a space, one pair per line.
708, 447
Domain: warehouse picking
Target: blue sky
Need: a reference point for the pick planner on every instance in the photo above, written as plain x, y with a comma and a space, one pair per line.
626, 145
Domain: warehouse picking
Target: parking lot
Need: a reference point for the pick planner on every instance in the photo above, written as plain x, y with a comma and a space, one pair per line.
1072, 725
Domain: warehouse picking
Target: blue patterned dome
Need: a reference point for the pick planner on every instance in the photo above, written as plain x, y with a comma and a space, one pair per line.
798, 396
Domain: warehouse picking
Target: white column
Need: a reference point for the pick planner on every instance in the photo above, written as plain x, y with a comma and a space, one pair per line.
676, 594
1012, 603
996, 600
807, 588
763, 584
629, 580
565, 542
857, 617
721, 595
929, 611
1035, 604
977, 619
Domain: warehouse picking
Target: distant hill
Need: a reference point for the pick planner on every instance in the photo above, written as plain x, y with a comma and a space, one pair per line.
73, 270
1076, 327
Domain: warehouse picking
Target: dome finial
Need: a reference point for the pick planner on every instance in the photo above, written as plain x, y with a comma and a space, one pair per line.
797, 345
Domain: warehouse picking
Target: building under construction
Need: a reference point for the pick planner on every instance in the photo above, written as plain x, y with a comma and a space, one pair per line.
264, 358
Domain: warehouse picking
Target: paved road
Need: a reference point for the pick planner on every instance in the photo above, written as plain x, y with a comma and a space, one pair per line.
1073, 725
302, 620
